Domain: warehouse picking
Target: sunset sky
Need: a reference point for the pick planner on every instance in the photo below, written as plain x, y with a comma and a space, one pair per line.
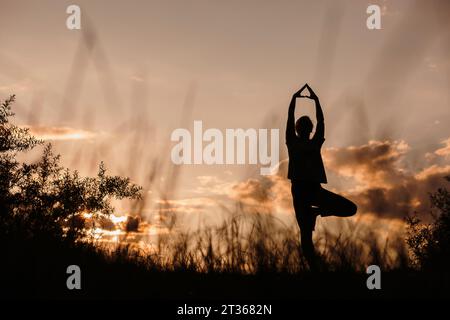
115, 90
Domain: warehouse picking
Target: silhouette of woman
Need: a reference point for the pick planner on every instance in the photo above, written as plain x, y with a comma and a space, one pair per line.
307, 173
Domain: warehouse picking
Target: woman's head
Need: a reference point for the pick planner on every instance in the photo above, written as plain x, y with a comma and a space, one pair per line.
304, 126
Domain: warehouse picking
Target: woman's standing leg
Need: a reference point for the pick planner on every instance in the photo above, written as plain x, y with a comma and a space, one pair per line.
302, 197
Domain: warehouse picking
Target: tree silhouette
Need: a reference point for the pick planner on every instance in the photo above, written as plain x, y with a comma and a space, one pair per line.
44, 196
430, 243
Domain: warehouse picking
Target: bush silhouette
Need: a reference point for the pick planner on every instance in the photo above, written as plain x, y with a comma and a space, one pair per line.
44, 196
430, 243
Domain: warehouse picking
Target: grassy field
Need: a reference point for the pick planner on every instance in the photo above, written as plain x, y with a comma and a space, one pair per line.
249, 256
258, 268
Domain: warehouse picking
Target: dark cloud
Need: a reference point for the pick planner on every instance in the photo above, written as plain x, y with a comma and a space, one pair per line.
374, 163
384, 187
407, 195
381, 184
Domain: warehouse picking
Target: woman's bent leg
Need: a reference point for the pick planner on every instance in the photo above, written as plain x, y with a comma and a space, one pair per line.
332, 204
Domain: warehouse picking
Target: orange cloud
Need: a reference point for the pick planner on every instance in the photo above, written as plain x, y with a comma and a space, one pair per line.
444, 151
376, 163
213, 185
384, 187
59, 133
188, 205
